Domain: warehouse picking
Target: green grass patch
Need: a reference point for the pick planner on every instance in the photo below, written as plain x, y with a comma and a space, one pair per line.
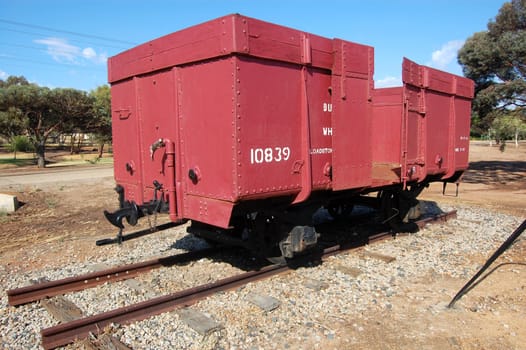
3, 216
17, 162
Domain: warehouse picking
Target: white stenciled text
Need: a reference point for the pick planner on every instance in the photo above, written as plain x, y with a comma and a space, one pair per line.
269, 155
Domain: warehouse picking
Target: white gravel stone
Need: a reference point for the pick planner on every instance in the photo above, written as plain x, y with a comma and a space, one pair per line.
313, 300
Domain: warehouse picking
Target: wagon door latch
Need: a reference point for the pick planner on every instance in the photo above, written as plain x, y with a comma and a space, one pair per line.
169, 162
155, 146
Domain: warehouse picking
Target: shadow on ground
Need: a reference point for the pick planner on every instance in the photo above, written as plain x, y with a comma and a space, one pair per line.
496, 172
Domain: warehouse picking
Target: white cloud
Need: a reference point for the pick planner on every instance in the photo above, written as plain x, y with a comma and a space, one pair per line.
447, 54
60, 50
64, 52
388, 81
3, 75
89, 53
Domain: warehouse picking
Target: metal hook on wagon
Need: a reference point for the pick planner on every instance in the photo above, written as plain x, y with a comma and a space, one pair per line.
155, 146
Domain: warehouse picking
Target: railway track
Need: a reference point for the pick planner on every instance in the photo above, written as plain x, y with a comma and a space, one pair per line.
39, 291
69, 332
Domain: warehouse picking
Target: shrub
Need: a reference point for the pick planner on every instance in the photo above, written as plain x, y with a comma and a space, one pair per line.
20, 144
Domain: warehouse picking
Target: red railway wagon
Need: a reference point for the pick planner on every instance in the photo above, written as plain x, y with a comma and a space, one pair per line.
246, 127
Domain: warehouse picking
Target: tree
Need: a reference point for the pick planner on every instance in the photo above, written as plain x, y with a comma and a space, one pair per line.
496, 60
73, 108
32, 103
40, 111
20, 144
12, 121
13, 80
508, 126
100, 124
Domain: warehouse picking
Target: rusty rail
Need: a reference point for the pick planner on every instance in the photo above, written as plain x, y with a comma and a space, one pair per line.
39, 291
63, 334
443, 217
66, 333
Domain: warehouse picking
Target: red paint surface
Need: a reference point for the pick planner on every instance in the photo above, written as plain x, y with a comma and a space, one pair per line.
256, 110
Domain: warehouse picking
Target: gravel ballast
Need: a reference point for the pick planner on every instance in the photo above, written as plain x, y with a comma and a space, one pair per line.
320, 306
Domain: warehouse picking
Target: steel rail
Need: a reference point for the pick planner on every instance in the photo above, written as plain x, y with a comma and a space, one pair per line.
66, 333
63, 334
442, 217
39, 291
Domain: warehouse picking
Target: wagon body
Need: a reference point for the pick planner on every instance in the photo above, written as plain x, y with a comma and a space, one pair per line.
237, 110
432, 110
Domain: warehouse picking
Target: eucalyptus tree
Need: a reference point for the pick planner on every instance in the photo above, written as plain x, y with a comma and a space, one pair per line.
100, 123
496, 60
39, 111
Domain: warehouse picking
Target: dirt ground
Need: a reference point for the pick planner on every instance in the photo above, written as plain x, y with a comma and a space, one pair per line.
494, 315
494, 180
52, 214
66, 218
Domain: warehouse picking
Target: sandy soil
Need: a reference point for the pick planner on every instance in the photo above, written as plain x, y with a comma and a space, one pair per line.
493, 317
495, 180
66, 218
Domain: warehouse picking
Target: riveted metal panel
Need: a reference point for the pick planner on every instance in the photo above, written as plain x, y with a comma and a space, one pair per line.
126, 146
268, 137
388, 109
253, 110
207, 110
351, 117
437, 118
156, 120
222, 37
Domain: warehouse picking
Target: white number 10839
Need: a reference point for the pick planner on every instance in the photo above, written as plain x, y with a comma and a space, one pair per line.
269, 154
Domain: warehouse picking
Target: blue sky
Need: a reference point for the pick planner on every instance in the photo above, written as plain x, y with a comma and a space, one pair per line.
65, 43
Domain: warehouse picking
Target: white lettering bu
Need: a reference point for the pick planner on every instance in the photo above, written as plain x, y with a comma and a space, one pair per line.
327, 107
327, 131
